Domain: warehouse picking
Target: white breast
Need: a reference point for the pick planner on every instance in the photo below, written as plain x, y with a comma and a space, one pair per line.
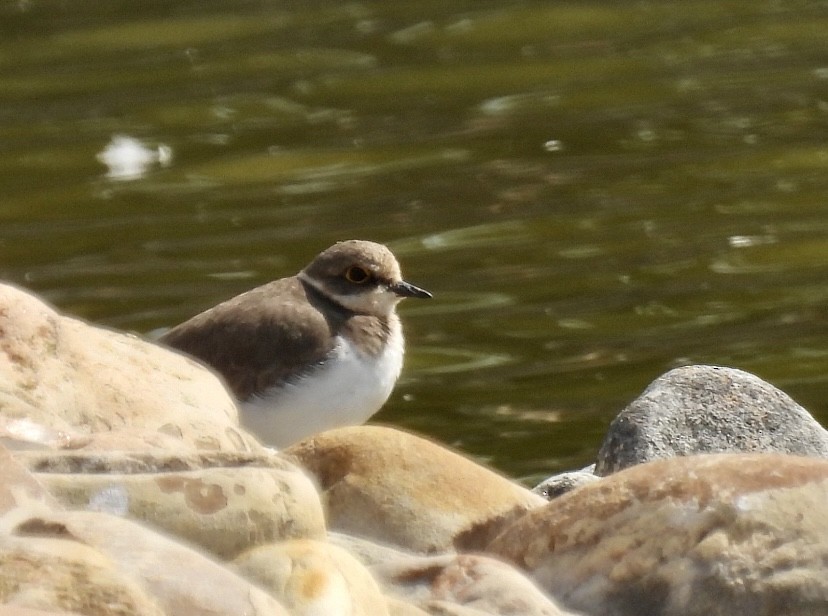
346, 391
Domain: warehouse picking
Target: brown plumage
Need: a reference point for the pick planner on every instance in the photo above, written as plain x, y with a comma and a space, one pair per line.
284, 330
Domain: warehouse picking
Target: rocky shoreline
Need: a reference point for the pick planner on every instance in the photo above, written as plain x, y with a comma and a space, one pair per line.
129, 488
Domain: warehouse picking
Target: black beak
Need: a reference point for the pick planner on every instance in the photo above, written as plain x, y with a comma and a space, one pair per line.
406, 289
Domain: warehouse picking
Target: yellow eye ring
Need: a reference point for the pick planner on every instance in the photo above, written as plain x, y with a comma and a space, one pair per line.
357, 275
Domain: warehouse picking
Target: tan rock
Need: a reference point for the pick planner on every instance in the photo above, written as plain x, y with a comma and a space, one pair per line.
715, 535
75, 379
224, 502
314, 577
400, 489
56, 573
177, 578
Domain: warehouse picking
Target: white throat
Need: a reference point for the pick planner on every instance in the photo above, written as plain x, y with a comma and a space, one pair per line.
348, 389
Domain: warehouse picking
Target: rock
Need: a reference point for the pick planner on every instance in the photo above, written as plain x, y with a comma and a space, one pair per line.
8, 610
70, 378
398, 607
556, 485
467, 581
448, 583
445, 608
56, 573
396, 488
314, 577
18, 487
712, 535
224, 502
368, 552
706, 409
177, 579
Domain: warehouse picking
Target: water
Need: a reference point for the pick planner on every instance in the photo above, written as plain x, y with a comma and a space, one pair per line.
595, 192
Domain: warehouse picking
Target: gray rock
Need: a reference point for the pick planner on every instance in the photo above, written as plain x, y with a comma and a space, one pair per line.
559, 484
707, 409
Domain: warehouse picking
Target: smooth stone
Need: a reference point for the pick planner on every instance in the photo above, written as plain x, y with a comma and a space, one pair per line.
58, 573
224, 502
178, 579
76, 379
708, 409
467, 581
313, 577
403, 490
712, 535
558, 485
369, 552
448, 583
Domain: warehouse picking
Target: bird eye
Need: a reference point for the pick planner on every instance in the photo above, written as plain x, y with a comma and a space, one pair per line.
357, 275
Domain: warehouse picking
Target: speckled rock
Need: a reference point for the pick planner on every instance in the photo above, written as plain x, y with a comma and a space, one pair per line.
469, 581
707, 409
713, 535
314, 577
76, 379
403, 490
176, 578
224, 502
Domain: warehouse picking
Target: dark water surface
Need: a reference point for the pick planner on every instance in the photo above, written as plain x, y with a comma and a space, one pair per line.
594, 191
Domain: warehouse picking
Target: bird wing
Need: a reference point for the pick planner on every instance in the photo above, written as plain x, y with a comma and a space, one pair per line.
267, 336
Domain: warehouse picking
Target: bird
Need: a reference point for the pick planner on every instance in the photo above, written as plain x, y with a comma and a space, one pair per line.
310, 352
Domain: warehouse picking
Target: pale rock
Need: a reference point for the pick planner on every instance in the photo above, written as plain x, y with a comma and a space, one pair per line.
709, 409
471, 581
178, 579
369, 552
18, 487
313, 578
70, 378
224, 502
398, 607
403, 490
445, 608
434, 583
56, 572
712, 535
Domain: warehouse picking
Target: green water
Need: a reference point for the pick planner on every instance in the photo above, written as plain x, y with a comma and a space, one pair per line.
595, 192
